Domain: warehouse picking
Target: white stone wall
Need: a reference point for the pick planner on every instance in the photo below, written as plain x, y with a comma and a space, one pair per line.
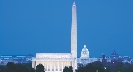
53, 55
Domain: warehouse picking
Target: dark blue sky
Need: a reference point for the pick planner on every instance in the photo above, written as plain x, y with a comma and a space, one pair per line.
30, 26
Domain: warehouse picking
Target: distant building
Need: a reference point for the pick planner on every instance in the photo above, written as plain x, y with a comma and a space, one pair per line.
125, 59
84, 52
114, 57
104, 60
85, 58
4, 59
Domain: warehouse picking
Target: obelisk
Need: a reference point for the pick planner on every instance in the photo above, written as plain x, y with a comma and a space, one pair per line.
74, 35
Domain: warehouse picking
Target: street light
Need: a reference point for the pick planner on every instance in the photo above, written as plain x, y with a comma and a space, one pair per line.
105, 68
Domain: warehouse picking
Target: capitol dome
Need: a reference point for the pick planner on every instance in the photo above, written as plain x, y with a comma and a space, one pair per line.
84, 52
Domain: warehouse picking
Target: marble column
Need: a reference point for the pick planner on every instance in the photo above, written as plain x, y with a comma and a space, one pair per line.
50, 66
33, 64
62, 66
58, 66
47, 65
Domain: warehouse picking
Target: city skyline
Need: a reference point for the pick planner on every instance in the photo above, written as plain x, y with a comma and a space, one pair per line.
37, 28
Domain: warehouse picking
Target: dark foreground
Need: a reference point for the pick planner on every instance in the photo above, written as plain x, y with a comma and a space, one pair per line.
91, 67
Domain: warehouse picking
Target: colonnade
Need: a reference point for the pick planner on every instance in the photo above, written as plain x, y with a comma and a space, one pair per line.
52, 64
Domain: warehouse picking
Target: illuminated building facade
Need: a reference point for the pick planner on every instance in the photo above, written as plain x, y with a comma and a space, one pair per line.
15, 58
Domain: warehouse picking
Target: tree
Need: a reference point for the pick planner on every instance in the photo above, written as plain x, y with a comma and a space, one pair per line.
98, 66
126, 67
32, 70
80, 69
107, 69
10, 67
21, 68
65, 69
70, 69
132, 70
29, 66
40, 68
90, 68
119, 69
2, 68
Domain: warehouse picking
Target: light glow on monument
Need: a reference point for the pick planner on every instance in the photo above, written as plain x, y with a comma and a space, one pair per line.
74, 34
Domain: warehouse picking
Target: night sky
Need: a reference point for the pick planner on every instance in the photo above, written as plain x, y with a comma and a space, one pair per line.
31, 26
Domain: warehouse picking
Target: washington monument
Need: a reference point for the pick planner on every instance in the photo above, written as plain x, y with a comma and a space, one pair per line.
74, 34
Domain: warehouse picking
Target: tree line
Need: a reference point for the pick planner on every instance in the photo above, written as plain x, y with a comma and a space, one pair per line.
90, 67
106, 67
25, 67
